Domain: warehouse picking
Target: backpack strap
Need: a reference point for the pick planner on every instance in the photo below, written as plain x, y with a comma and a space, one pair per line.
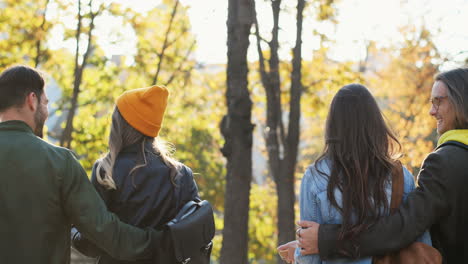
397, 187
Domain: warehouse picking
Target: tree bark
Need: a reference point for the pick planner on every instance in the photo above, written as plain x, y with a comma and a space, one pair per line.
237, 129
285, 187
282, 146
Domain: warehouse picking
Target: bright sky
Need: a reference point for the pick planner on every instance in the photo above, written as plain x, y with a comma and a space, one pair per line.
359, 21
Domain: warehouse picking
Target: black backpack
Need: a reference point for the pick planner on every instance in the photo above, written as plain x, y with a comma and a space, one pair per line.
191, 232
187, 238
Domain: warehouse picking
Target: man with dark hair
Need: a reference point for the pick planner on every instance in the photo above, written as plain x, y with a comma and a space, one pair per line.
440, 202
44, 189
18, 83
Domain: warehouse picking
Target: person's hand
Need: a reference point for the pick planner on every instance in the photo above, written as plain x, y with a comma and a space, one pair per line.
286, 251
307, 237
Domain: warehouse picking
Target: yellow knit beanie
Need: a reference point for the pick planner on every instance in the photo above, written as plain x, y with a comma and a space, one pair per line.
144, 108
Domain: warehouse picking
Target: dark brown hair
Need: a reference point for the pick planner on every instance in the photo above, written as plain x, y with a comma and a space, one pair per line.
456, 81
16, 83
361, 148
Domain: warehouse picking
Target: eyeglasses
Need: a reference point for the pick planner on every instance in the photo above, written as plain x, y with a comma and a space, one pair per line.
437, 100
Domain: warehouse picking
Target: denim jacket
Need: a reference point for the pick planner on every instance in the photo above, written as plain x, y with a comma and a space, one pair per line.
315, 206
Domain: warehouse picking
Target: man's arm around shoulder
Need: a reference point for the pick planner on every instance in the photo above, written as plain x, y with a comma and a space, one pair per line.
89, 214
423, 207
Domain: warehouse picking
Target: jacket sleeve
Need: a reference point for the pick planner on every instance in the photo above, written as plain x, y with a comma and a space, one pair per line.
83, 245
310, 211
89, 214
409, 186
422, 208
80, 242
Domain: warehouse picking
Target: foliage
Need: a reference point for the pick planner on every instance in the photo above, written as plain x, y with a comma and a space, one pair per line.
218, 239
22, 25
400, 77
262, 223
164, 43
104, 79
92, 123
403, 87
198, 142
322, 79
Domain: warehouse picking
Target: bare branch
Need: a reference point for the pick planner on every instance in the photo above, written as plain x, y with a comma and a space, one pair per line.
79, 68
66, 135
166, 38
179, 68
261, 58
41, 29
177, 38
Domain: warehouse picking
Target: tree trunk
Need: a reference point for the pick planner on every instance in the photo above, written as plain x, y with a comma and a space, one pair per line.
37, 59
237, 129
282, 147
66, 137
285, 187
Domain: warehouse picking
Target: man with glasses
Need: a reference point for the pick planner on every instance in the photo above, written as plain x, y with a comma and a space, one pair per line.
440, 202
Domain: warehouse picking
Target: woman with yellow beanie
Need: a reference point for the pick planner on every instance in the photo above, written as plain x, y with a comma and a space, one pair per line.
138, 179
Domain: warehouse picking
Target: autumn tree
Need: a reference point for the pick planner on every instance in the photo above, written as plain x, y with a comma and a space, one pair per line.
165, 44
403, 83
84, 32
98, 78
24, 30
165, 57
190, 124
282, 143
236, 128
322, 78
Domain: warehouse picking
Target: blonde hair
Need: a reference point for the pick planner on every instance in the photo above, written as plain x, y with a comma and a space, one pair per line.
122, 135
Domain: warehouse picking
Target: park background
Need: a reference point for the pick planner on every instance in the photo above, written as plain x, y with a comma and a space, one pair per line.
250, 84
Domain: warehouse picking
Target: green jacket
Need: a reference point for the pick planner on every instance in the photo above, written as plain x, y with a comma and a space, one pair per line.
43, 191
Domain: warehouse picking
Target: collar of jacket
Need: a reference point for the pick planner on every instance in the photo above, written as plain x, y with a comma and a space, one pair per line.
458, 135
136, 147
16, 125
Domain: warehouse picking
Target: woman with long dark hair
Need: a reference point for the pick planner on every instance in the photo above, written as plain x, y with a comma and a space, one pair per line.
138, 179
350, 182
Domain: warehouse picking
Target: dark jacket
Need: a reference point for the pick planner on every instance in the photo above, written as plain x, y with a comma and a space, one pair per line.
146, 198
43, 190
440, 203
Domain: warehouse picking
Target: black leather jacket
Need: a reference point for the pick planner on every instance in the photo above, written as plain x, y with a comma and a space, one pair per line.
439, 203
146, 198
